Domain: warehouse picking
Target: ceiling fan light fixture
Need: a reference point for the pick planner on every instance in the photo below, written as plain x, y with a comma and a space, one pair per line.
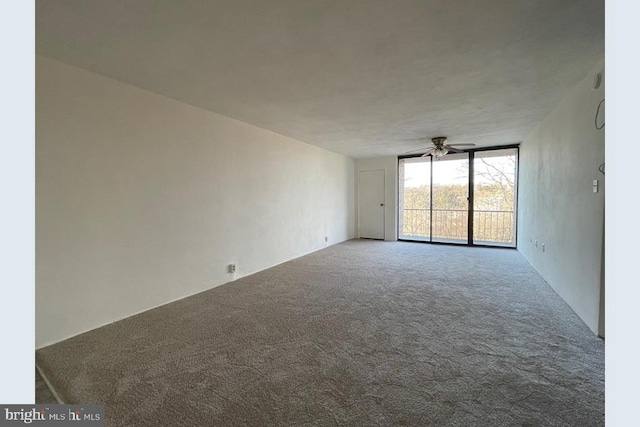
439, 152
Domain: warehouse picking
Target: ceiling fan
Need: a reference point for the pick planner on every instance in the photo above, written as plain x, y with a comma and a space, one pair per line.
440, 147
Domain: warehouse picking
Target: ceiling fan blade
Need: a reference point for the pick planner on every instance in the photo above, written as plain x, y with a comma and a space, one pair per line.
460, 145
429, 151
453, 150
413, 151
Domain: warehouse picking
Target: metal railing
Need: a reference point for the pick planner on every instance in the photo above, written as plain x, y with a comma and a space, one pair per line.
451, 224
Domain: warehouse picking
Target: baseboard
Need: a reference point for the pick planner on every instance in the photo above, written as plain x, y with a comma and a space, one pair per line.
49, 386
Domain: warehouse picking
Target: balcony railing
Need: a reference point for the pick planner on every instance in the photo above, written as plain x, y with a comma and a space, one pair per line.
451, 224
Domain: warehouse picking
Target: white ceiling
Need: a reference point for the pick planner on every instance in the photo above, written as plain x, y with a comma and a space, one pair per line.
364, 78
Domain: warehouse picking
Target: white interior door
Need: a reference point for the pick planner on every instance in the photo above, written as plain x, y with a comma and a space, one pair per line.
371, 204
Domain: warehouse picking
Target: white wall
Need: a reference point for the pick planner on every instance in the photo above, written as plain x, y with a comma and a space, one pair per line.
390, 167
559, 160
141, 200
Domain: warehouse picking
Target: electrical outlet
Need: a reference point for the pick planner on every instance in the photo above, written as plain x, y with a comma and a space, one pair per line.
326, 238
232, 268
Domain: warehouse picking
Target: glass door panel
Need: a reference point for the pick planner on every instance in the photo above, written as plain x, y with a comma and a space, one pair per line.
494, 197
450, 204
414, 196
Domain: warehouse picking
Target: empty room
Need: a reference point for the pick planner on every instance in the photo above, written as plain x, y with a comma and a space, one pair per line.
321, 212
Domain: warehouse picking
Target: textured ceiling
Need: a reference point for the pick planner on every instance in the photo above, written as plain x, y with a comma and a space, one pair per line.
364, 78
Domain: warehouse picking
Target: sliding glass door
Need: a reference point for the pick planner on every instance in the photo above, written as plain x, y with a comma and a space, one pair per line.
494, 197
415, 198
434, 198
450, 208
466, 198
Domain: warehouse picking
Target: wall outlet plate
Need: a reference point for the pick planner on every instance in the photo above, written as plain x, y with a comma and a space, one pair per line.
232, 268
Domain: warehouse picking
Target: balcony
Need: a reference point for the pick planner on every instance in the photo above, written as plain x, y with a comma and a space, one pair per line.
494, 228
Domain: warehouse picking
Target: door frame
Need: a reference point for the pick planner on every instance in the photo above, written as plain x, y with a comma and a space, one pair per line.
471, 153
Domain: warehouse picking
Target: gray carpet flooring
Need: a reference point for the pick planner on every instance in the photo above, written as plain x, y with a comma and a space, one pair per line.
362, 333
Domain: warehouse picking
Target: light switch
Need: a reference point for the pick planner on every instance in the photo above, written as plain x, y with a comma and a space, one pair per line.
595, 185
